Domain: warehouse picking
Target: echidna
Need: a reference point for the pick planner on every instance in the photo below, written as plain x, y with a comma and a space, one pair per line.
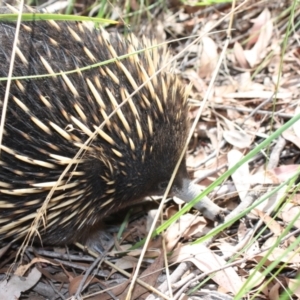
50, 118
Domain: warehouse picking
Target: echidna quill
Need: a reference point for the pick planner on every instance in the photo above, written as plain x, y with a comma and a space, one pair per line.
50, 118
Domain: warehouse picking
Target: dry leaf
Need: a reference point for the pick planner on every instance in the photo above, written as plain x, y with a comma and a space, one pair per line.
273, 225
269, 204
149, 276
12, 289
227, 249
286, 172
289, 257
124, 263
237, 138
207, 261
240, 55
275, 176
257, 278
296, 125
258, 51
76, 281
253, 247
241, 175
222, 90
291, 136
185, 227
208, 57
290, 213
274, 291
294, 286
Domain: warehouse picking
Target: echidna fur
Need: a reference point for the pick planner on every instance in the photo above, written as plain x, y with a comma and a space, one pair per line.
49, 118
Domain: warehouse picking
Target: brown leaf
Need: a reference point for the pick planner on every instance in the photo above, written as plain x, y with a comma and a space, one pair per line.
241, 175
207, 261
258, 51
293, 285
291, 136
273, 225
290, 213
240, 55
12, 289
289, 257
208, 57
75, 282
237, 138
149, 276
185, 227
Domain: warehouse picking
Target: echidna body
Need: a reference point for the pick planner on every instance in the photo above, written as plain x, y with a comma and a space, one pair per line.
49, 118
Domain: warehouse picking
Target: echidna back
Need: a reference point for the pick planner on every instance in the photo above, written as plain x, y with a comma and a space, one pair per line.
59, 97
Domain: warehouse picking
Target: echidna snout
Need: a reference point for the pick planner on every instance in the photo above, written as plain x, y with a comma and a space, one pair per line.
50, 117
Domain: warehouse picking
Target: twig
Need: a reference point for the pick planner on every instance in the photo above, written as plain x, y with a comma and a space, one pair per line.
262, 112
